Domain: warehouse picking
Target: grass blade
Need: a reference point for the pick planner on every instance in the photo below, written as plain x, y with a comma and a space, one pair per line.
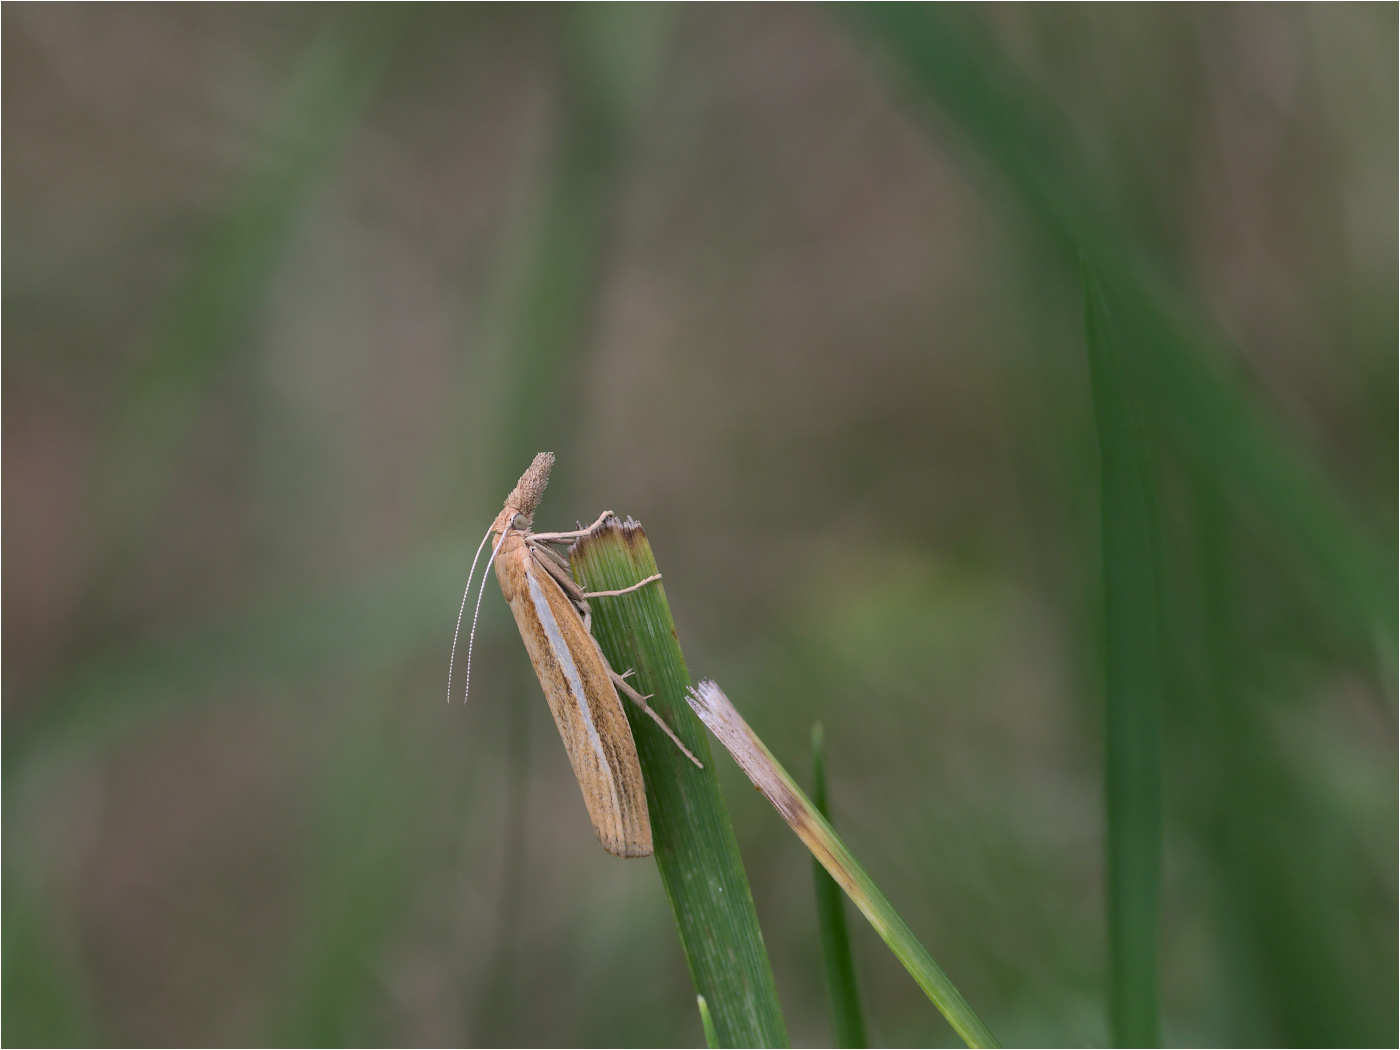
847, 1024
1210, 421
817, 835
696, 852
708, 1023
1132, 682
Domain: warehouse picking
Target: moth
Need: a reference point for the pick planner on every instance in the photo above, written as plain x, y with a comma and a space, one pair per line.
555, 620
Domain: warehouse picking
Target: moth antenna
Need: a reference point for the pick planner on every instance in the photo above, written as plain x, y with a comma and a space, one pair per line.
465, 595
471, 638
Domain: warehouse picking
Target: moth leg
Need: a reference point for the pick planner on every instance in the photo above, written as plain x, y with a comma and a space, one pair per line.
641, 701
547, 551
626, 590
561, 576
558, 570
561, 537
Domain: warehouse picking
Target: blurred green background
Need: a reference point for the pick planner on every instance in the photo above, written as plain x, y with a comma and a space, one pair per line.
292, 295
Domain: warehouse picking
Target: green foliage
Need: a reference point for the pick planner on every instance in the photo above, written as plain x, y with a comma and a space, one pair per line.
696, 852
1213, 425
817, 834
210, 315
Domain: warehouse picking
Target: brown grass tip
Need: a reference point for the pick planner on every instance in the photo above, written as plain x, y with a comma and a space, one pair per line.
719, 715
633, 533
634, 541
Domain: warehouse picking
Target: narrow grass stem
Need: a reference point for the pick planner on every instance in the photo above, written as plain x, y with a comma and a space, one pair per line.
847, 1024
817, 835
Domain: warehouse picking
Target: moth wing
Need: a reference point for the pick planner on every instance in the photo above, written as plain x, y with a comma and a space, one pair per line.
586, 709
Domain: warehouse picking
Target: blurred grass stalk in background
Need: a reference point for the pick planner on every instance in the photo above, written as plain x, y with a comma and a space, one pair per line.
1243, 472
697, 855
202, 324
1132, 680
948, 59
817, 835
208, 316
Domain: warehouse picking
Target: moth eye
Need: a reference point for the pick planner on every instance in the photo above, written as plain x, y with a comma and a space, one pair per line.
520, 522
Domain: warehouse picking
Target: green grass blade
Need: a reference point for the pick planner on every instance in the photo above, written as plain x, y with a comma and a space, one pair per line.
847, 1023
1208, 418
1132, 682
696, 852
708, 1023
817, 835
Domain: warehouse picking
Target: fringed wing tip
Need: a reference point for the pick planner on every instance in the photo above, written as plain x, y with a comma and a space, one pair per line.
624, 841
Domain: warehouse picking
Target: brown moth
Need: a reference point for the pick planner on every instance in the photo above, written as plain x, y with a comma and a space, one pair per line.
554, 618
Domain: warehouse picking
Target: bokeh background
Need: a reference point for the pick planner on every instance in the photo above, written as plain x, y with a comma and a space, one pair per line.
292, 295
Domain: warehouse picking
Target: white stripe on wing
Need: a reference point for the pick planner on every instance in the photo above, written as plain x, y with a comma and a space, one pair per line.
566, 661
